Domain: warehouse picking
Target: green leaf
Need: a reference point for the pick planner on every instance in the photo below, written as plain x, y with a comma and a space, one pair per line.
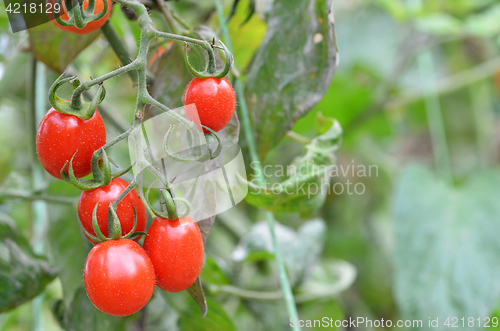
57, 48
68, 248
217, 318
82, 315
484, 24
305, 190
292, 69
447, 252
23, 275
439, 24
196, 292
300, 248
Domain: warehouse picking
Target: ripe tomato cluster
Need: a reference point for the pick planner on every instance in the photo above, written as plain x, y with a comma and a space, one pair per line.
119, 275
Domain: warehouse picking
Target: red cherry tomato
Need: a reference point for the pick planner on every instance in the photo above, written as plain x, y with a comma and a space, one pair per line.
214, 99
91, 26
119, 277
59, 136
176, 251
105, 196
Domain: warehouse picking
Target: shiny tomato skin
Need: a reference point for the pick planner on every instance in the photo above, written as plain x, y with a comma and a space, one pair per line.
176, 251
59, 136
214, 99
125, 210
91, 26
119, 277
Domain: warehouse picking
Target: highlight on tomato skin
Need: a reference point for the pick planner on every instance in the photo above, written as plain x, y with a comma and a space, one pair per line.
119, 277
214, 99
60, 136
125, 209
176, 251
91, 26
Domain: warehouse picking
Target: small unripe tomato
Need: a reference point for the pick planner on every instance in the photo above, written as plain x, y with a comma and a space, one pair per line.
214, 99
59, 136
105, 196
176, 251
91, 26
119, 277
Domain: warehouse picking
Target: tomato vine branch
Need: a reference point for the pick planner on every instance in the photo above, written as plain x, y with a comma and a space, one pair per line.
252, 147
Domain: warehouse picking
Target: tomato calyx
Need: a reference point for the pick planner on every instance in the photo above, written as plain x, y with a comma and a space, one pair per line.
77, 16
76, 106
211, 67
169, 198
115, 225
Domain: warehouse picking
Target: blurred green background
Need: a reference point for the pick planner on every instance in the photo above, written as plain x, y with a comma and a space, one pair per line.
416, 92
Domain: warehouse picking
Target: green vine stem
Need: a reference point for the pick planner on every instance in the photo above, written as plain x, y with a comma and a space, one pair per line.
245, 119
435, 118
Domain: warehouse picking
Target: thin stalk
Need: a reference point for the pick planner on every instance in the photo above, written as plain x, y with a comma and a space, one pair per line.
11, 194
482, 110
40, 213
252, 147
118, 46
247, 294
434, 117
168, 15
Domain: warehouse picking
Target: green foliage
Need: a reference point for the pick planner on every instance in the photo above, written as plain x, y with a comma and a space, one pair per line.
216, 320
57, 48
80, 314
304, 191
447, 252
23, 275
292, 69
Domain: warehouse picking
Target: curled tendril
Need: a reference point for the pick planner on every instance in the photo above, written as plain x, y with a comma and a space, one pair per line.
102, 177
117, 229
199, 154
213, 134
76, 106
170, 203
77, 16
211, 72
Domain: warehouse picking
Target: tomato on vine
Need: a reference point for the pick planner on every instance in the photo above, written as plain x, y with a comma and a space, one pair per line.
91, 26
214, 99
119, 277
176, 251
125, 209
60, 136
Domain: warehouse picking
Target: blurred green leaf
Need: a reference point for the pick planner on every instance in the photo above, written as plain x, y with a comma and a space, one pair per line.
57, 48
486, 23
439, 24
23, 275
300, 249
447, 253
318, 310
292, 69
68, 248
305, 190
216, 319
82, 315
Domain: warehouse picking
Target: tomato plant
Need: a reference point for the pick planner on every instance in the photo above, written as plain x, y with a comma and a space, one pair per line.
119, 277
91, 26
176, 251
125, 209
60, 136
214, 99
